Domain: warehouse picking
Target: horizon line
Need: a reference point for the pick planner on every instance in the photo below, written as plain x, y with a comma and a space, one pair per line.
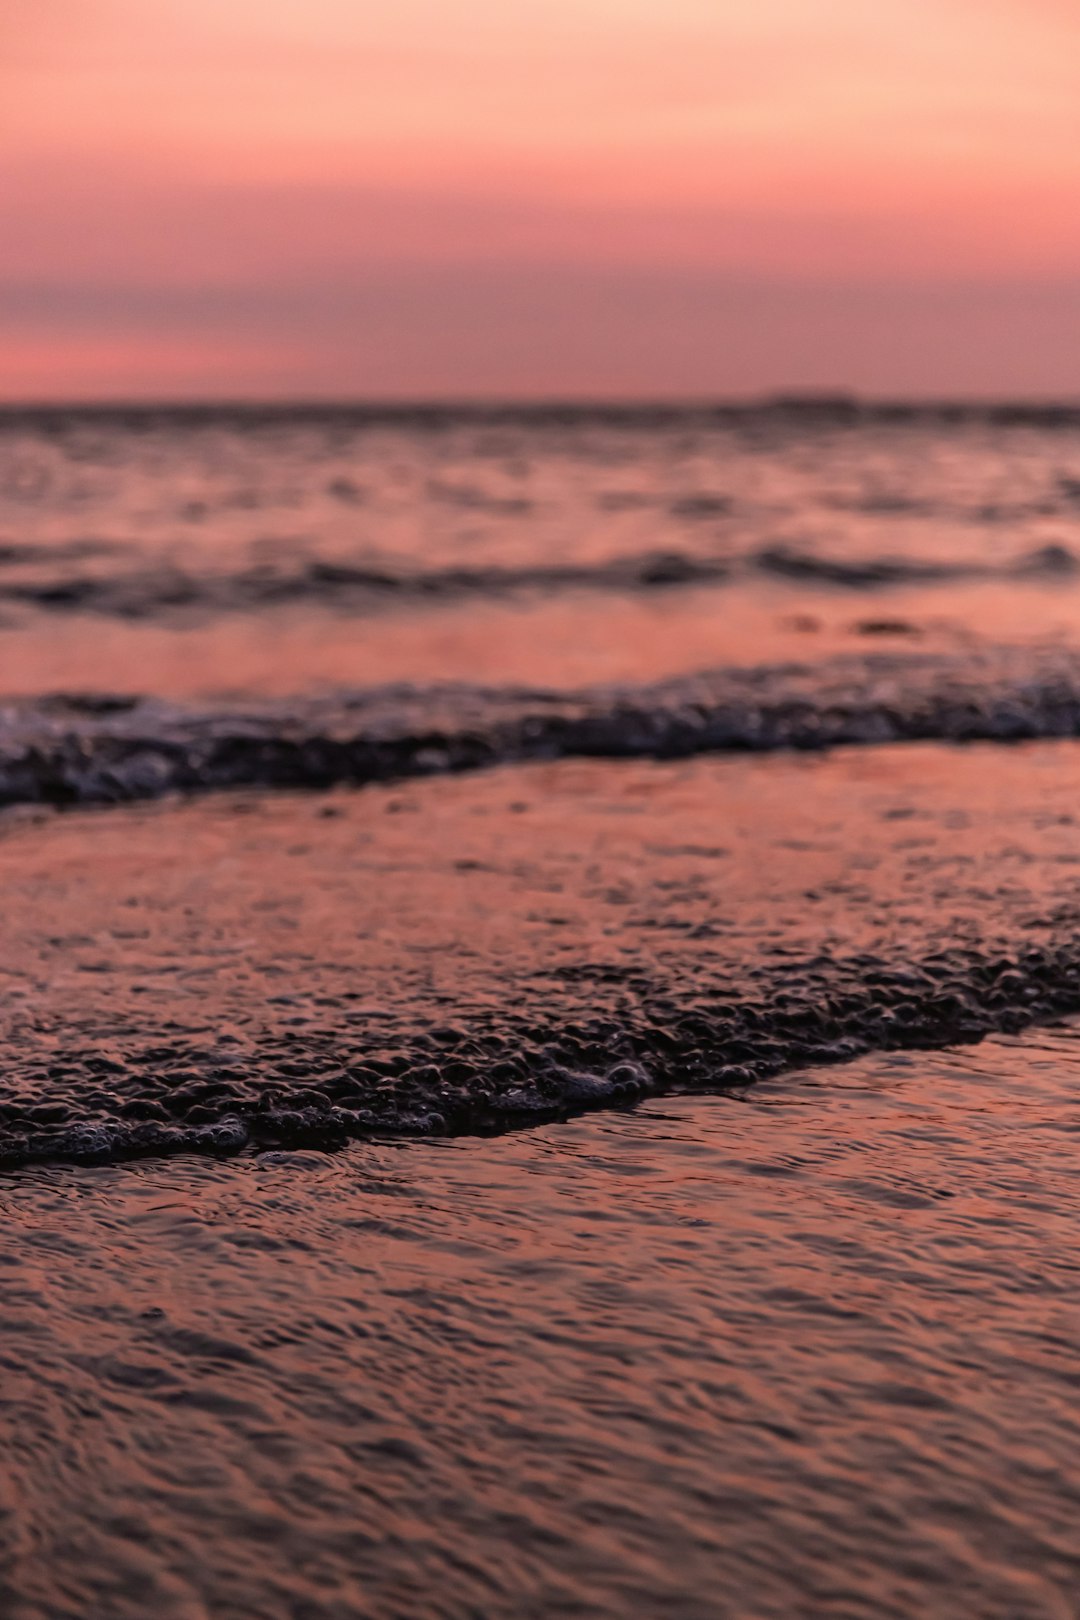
837, 400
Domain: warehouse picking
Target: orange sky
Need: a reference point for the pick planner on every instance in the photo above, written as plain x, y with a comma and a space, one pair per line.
539, 196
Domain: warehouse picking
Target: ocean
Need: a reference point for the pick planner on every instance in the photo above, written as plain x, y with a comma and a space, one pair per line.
540, 969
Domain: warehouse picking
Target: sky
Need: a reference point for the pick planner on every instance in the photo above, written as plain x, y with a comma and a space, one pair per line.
538, 198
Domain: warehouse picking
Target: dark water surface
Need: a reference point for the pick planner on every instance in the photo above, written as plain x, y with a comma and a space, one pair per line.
810, 1351
696, 788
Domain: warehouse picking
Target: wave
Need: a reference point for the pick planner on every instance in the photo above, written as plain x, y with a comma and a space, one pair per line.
185, 1098
100, 748
792, 562
359, 587
366, 588
17, 553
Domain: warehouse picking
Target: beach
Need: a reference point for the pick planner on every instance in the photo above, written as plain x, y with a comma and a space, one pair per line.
540, 966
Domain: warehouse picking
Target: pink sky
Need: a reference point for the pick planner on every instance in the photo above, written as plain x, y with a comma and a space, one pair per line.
464, 197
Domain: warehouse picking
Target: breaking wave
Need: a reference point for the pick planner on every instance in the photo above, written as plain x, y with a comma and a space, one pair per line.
324, 1091
97, 748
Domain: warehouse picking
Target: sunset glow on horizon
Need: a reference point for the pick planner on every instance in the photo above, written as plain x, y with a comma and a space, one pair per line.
608, 197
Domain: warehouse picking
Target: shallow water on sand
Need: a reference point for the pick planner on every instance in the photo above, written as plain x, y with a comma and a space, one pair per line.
473, 952
812, 1350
